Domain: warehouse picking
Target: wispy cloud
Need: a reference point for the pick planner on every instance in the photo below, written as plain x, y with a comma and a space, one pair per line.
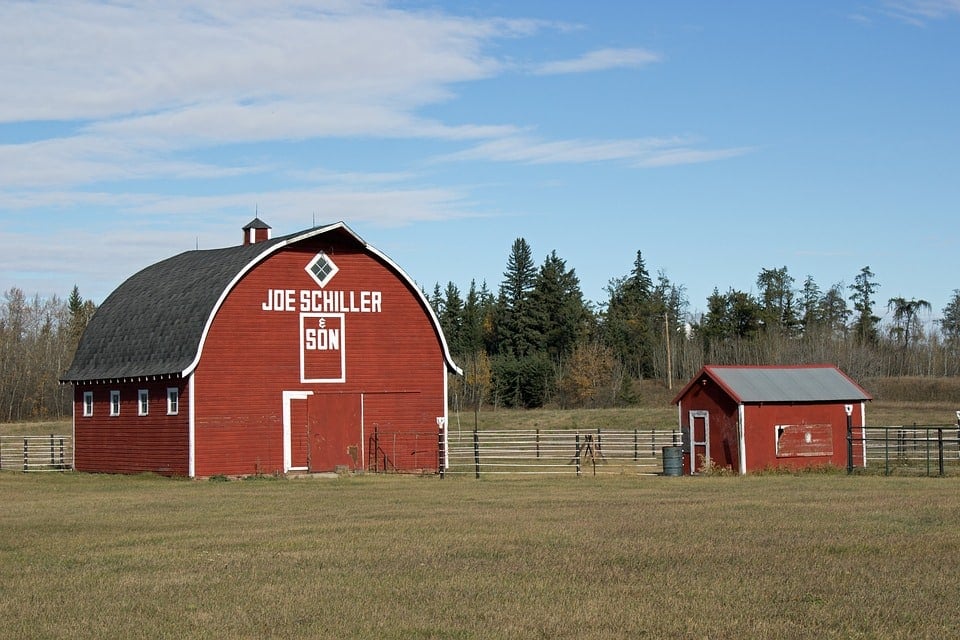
921, 12
645, 152
598, 60
160, 96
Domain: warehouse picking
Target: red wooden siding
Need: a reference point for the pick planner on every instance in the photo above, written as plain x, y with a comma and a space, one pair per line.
131, 443
723, 418
809, 433
761, 434
393, 359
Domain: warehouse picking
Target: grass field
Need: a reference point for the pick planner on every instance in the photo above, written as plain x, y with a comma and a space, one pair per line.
804, 556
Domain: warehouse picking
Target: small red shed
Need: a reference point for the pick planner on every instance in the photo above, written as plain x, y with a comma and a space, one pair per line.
750, 418
307, 352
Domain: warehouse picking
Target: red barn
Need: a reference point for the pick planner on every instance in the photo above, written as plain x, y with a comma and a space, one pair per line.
753, 418
306, 352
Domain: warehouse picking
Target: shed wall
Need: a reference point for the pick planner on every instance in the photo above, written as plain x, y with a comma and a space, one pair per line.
724, 416
761, 425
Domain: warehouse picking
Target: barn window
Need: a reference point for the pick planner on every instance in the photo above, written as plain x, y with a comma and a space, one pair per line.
173, 401
143, 403
322, 269
87, 403
114, 403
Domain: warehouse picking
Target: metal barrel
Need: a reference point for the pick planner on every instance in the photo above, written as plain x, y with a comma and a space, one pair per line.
672, 461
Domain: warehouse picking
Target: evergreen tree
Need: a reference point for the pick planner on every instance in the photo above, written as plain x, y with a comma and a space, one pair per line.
810, 299
865, 326
950, 323
833, 312
905, 318
557, 308
631, 318
513, 319
471, 329
735, 314
451, 318
777, 308
436, 299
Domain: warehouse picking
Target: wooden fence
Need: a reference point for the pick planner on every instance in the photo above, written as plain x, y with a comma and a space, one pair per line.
36, 453
558, 452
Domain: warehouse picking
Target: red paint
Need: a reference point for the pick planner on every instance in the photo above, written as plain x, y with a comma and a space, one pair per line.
827, 425
131, 443
392, 376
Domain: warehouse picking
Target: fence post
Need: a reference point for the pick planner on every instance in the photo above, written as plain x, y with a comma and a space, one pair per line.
849, 411
26, 454
538, 443
886, 451
476, 454
440, 450
636, 449
578, 453
940, 448
62, 465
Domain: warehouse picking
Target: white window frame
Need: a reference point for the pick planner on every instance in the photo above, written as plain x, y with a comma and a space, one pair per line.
173, 401
115, 402
87, 404
143, 402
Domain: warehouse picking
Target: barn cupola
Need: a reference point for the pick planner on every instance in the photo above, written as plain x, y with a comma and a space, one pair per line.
256, 231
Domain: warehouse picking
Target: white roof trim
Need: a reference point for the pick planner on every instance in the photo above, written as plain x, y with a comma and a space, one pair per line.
304, 236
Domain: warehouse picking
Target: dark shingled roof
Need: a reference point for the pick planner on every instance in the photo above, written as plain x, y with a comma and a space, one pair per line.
803, 383
151, 324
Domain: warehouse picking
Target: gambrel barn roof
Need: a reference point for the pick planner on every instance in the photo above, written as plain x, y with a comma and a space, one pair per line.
799, 383
154, 323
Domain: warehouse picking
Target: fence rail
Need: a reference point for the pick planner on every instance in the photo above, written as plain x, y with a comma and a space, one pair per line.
36, 453
558, 451
918, 449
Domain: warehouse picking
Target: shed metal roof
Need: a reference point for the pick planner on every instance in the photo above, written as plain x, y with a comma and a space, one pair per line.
801, 383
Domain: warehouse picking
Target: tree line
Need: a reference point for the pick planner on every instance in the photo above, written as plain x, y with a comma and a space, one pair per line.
537, 341
38, 338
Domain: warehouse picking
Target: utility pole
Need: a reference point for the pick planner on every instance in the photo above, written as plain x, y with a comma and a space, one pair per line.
666, 335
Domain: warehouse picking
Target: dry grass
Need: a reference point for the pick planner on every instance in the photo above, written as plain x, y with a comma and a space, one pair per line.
812, 556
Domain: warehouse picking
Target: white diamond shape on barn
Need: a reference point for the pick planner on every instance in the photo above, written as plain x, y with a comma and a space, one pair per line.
322, 269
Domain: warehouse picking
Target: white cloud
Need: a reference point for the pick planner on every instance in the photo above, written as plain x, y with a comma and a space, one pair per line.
920, 12
598, 60
121, 234
645, 152
168, 91
93, 60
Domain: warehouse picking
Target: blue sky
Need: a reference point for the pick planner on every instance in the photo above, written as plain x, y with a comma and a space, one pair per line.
717, 138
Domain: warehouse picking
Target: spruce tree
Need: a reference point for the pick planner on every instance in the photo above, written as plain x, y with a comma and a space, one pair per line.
865, 326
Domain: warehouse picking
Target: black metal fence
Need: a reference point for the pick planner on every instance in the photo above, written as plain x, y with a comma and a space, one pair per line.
910, 450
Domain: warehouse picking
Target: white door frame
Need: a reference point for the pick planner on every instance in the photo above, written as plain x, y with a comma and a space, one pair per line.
288, 397
691, 416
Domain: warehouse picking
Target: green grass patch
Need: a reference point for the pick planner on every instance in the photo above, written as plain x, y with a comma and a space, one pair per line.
778, 556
